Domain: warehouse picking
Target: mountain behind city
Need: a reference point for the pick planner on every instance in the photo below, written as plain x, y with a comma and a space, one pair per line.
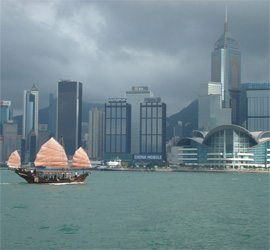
188, 116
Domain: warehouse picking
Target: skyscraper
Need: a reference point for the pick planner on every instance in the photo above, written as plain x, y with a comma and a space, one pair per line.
69, 114
153, 128
117, 129
30, 111
226, 68
5, 113
96, 134
135, 98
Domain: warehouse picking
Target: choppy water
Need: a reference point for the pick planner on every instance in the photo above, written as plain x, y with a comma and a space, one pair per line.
137, 210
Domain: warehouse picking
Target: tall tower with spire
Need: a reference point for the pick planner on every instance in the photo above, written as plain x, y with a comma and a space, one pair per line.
226, 68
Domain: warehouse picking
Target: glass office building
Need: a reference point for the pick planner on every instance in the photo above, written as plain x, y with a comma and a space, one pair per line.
69, 114
153, 127
30, 111
117, 129
258, 107
226, 68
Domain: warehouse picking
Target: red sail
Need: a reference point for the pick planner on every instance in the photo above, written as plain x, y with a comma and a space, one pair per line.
14, 160
51, 154
80, 159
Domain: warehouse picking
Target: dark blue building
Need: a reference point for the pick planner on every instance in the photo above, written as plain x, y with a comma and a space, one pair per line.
117, 129
69, 114
153, 128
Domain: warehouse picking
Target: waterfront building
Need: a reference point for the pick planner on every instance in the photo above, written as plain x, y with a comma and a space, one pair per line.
153, 128
10, 138
226, 69
258, 106
117, 129
69, 114
135, 97
5, 113
210, 111
96, 134
228, 146
30, 111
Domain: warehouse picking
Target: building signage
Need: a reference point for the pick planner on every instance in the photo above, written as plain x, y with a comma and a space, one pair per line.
5, 103
43, 127
259, 85
152, 99
112, 100
144, 157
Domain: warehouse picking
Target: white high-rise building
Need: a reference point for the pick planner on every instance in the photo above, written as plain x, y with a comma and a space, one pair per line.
96, 134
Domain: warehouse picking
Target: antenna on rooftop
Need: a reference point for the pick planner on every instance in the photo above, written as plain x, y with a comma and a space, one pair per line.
226, 15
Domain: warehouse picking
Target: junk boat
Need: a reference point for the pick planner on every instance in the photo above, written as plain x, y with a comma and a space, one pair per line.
52, 155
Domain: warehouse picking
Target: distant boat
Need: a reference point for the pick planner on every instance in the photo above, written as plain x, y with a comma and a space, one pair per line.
52, 156
115, 163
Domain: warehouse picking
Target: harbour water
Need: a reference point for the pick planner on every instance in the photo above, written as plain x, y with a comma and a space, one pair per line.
137, 210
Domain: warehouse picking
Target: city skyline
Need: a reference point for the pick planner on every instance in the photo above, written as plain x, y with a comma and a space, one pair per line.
164, 45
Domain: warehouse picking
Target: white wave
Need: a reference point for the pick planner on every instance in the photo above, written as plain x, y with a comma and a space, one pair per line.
67, 183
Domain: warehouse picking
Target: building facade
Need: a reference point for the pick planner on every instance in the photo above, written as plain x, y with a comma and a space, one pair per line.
135, 97
153, 128
226, 69
228, 146
117, 129
30, 111
96, 134
258, 106
5, 113
210, 111
69, 114
52, 115
10, 138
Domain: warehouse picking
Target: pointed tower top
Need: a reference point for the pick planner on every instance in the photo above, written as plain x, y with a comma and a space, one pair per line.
226, 19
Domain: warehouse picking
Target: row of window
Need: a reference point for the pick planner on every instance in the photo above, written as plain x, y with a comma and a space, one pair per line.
116, 126
151, 112
151, 126
116, 144
116, 112
151, 144
258, 106
259, 124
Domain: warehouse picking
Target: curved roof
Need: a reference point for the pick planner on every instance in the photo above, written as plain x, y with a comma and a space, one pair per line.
199, 133
195, 139
233, 127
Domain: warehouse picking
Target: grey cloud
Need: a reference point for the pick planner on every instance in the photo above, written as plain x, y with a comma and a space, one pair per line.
165, 45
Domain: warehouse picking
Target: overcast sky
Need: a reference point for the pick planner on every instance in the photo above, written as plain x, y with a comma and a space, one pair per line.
111, 46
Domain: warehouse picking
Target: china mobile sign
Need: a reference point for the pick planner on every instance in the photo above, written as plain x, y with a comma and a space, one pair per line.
144, 157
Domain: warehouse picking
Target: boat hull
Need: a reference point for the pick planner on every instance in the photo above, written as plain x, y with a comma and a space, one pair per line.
34, 178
